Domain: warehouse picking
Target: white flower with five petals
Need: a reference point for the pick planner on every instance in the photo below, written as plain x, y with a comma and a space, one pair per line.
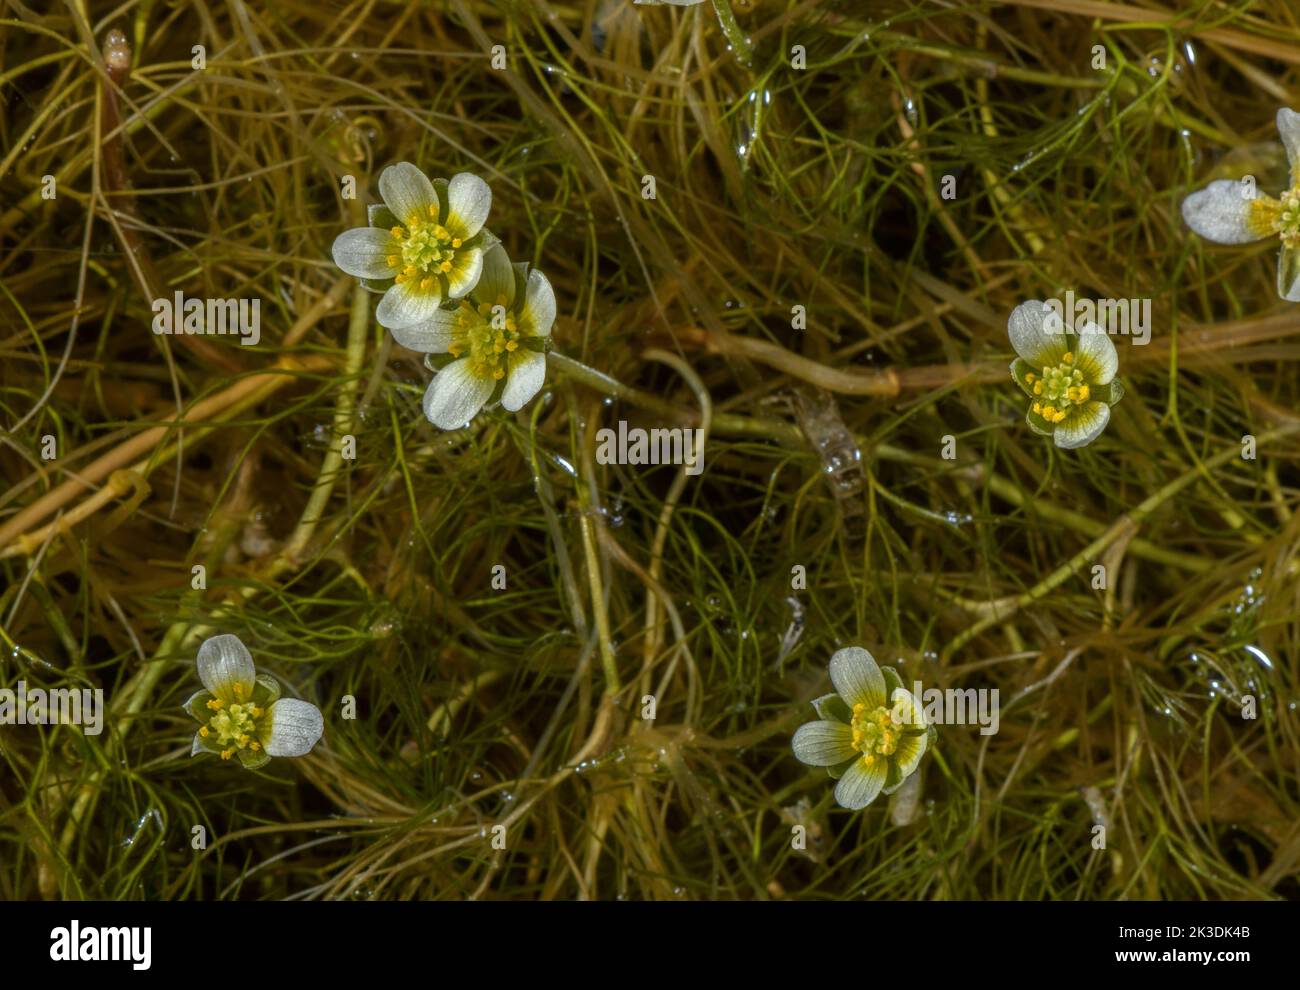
497, 337
873, 731
424, 246
241, 711
1229, 212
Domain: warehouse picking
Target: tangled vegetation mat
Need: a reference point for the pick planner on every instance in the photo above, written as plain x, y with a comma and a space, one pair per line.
507, 635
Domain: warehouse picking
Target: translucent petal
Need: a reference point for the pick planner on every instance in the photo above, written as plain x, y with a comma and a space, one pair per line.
1288, 273
909, 752
434, 335
407, 192
1082, 426
861, 784
1031, 334
1288, 128
225, 664
538, 312
1095, 355
466, 270
496, 283
363, 252
293, 728
455, 396
524, 379
1221, 213
407, 303
823, 744
857, 677
469, 199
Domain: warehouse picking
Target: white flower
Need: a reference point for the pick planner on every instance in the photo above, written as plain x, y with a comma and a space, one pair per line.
1229, 212
242, 712
498, 336
424, 246
873, 731
1069, 377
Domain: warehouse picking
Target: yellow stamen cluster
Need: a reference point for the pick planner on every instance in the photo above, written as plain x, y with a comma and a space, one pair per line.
875, 733
422, 249
490, 336
1287, 222
234, 726
1059, 387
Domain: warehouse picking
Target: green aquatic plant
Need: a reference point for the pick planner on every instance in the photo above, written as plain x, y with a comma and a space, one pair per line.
872, 733
1229, 212
423, 246
241, 711
1068, 375
497, 337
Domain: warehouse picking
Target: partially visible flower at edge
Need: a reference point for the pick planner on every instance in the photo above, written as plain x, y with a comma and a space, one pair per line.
1068, 376
423, 246
1223, 213
873, 732
241, 711
497, 338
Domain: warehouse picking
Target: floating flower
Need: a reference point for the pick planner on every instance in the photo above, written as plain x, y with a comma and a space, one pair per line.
1068, 376
1229, 212
497, 337
873, 732
423, 246
241, 711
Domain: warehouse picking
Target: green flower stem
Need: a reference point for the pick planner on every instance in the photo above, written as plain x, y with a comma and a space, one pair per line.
1132, 518
735, 36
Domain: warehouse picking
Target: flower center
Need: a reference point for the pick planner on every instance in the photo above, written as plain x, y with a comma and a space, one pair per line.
1287, 223
233, 727
1059, 387
491, 335
875, 733
422, 249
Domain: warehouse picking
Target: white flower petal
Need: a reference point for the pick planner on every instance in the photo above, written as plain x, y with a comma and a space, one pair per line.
538, 313
1037, 333
225, 664
1095, 354
455, 396
906, 709
823, 744
434, 335
1082, 426
524, 379
1220, 213
407, 192
857, 677
407, 303
293, 729
861, 784
909, 752
496, 283
1288, 127
1288, 274
363, 252
466, 270
469, 199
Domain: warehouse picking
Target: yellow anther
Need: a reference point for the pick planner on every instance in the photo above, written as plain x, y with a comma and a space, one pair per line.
203, 731
239, 690
433, 211
215, 704
243, 739
1037, 408
1038, 388
226, 753
1067, 357
426, 283
455, 349
512, 345
257, 712
411, 271
400, 278
868, 759
445, 267
255, 745
1084, 392
499, 374
441, 232
397, 233
456, 242
1029, 377
392, 260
